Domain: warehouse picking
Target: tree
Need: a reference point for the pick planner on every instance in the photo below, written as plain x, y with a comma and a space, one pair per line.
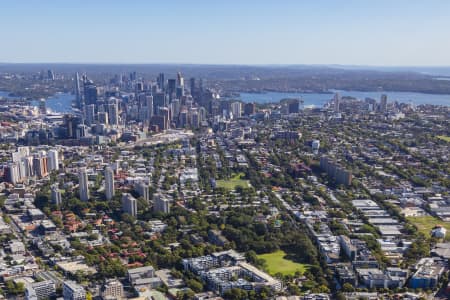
235, 294
347, 287
195, 285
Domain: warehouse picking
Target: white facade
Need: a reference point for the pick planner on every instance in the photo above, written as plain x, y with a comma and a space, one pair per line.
109, 183
53, 160
73, 291
83, 185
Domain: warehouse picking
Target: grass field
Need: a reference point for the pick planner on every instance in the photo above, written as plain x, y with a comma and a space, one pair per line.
444, 138
277, 263
233, 182
426, 223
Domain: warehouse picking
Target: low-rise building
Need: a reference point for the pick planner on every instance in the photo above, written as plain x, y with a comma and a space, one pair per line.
112, 289
73, 291
429, 271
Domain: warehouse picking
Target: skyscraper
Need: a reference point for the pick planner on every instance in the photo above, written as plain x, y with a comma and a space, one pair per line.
53, 160
171, 86
77, 90
161, 81
90, 93
158, 101
180, 80
161, 204
109, 183
236, 109
56, 195
249, 109
129, 204
113, 112
102, 118
149, 107
192, 85
51, 75
83, 185
383, 103
40, 166
337, 102
143, 190
89, 114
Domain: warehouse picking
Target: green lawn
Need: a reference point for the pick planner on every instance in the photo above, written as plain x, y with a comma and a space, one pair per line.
426, 223
277, 262
444, 138
233, 182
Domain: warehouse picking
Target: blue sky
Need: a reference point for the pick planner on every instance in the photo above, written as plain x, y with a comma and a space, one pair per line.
358, 32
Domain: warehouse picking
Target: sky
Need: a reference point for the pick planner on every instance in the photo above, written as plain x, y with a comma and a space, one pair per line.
346, 32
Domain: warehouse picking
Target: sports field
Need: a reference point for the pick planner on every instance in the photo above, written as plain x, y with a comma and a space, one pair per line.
427, 223
444, 138
233, 182
276, 262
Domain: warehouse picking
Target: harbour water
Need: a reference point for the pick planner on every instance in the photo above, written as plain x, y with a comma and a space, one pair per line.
59, 103
62, 102
318, 100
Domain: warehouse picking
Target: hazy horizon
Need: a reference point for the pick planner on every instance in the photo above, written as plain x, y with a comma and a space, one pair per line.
401, 33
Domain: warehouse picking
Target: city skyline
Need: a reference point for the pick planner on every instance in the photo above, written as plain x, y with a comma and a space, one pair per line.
382, 33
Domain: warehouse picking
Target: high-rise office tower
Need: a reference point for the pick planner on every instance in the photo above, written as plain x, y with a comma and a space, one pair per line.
90, 93
53, 160
51, 75
113, 113
175, 107
149, 107
102, 118
89, 114
180, 92
383, 103
161, 82
180, 79
171, 86
249, 109
71, 123
83, 184
337, 102
158, 101
164, 112
192, 85
56, 195
81, 131
77, 90
194, 119
129, 204
109, 183
183, 118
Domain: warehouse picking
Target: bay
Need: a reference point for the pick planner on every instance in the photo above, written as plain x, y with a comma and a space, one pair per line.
318, 100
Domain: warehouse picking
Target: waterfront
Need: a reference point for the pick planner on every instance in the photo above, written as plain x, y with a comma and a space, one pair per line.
59, 103
318, 100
